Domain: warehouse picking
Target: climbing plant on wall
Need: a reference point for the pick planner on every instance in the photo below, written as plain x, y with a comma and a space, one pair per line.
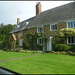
32, 40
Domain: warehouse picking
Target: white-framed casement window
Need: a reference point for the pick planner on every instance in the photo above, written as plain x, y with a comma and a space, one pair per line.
53, 27
71, 24
40, 30
21, 33
20, 42
71, 40
39, 41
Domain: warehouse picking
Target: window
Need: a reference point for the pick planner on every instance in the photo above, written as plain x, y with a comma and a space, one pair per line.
40, 29
21, 33
20, 42
39, 41
18, 26
71, 24
53, 27
25, 23
71, 40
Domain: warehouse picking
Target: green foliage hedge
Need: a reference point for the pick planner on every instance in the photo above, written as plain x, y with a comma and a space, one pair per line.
61, 47
72, 48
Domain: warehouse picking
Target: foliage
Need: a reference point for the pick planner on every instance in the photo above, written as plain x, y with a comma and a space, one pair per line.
69, 52
4, 35
24, 46
72, 48
32, 41
61, 47
67, 32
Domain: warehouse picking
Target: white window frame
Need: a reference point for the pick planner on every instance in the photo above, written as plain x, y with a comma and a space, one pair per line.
27, 23
70, 23
54, 25
68, 41
21, 33
38, 42
20, 42
18, 26
42, 30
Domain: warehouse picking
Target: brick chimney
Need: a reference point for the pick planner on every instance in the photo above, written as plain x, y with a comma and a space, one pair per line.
38, 8
18, 20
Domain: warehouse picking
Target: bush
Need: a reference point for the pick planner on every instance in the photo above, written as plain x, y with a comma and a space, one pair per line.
61, 47
24, 46
69, 52
5, 49
72, 48
23, 51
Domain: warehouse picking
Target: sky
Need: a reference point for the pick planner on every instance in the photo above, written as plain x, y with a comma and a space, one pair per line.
11, 10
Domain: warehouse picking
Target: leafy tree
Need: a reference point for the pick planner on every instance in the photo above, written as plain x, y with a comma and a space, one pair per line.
4, 35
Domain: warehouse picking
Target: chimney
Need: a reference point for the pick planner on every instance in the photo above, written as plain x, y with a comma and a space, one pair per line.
38, 8
18, 20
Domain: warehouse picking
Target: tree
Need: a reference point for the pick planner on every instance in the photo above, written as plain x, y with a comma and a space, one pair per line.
4, 34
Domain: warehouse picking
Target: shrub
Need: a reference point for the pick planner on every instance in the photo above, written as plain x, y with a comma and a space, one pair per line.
23, 51
72, 48
61, 47
24, 46
5, 49
69, 52
52, 51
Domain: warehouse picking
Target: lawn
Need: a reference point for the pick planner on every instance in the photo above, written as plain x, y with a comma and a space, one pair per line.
10, 55
41, 64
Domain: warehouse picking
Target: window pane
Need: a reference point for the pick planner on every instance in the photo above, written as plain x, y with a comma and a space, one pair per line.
39, 41
51, 27
69, 40
55, 26
71, 24
68, 24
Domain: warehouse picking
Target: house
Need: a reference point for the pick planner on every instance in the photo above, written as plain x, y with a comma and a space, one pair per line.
49, 22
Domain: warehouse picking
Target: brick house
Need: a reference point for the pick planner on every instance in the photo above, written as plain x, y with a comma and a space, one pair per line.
49, 22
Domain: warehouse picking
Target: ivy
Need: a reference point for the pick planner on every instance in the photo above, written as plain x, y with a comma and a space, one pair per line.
32, 40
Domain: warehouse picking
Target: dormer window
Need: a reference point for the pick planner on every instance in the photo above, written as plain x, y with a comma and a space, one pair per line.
18, 26
40, 30
25, 23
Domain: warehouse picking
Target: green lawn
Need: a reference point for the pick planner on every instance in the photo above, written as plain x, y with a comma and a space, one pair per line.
41, 64
10, 55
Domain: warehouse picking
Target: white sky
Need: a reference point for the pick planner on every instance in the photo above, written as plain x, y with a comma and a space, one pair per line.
11, 10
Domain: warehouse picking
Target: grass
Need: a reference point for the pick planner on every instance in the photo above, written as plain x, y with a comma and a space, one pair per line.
10, 55
42, 64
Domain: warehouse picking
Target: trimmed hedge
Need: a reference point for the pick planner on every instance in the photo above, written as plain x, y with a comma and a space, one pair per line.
61, 47
72, 48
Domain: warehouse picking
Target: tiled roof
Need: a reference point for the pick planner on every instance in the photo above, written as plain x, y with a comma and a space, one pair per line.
60, 13
21, 25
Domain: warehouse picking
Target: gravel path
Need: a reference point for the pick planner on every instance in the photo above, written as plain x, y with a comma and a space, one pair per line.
19, 58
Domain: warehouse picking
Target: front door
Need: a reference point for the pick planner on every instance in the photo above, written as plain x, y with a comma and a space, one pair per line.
49, 44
